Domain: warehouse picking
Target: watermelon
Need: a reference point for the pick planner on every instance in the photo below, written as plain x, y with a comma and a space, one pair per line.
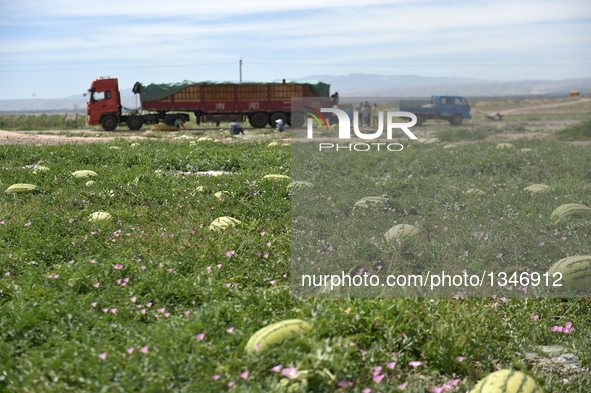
563, 212
400, 232
507, 381
576, 272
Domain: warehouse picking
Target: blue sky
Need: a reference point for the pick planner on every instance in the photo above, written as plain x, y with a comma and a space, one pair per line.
53, 49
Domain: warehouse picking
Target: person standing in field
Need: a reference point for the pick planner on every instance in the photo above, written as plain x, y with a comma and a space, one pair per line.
364, 112
374, 114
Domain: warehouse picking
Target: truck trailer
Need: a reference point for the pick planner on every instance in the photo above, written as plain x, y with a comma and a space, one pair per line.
261, 103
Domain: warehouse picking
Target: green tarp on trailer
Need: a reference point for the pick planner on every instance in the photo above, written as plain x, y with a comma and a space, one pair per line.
156, 91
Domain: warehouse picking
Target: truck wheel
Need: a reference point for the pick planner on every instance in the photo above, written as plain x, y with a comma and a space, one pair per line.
276, 116
296, 120
170, 119
135, 122
420, 120
259, 120
109, 123
456, 120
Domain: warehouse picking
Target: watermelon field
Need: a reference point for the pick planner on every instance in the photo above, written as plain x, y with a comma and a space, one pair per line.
151, 298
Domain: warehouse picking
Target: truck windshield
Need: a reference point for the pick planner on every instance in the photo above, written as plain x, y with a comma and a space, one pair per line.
463, 102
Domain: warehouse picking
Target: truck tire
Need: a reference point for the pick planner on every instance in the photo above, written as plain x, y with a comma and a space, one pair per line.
420, 120
456, 120
296, 119
109, 123
259, 120
170, 119
135, 122
276, 116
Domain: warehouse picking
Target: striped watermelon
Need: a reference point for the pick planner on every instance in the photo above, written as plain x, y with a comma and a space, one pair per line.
372, 201
84, 174
22, 188
507, 381
475, 191
40, 169
505, 146
275, 334
221, 223
576, 272
99, 216
568, 210
399, 232
300, 184
535, 188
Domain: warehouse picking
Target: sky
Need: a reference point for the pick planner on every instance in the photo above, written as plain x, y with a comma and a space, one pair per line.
54, 49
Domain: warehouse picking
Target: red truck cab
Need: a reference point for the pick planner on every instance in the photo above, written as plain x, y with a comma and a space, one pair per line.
104, 104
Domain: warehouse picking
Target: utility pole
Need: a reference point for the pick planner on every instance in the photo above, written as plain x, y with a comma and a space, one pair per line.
241, 70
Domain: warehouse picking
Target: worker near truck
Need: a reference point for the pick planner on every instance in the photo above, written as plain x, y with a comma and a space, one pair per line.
236, 128
280, 126
178, 123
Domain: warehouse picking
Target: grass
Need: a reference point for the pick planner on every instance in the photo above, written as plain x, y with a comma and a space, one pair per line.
577, 132
69, 303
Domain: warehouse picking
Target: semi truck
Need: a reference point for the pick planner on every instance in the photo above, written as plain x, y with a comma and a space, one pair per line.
451, 108
261, 103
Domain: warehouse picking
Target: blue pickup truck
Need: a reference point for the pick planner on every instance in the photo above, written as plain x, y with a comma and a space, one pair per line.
451, 108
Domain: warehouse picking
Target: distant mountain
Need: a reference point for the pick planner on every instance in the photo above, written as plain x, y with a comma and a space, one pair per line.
363, 85
355, 85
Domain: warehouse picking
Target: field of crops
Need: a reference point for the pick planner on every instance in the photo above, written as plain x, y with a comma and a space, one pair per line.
154, 300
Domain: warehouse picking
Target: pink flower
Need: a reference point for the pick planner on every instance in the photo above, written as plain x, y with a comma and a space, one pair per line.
144, 349
215, 377
230, 384
244, 375
378, 378
460, 358
228, 285
129, 350
499, 255
231, 330
133, 299
258, 347
118, 267
230, 253
149, 304
266, 256
200, 336
277, 368
541, 244
403, 386
219, 265
93, 304
568, 325
391, 365
114, 310
93, 261
96, 285
289, 372
143, 311
143, 267
376, 370
366, 390
102, 356
415, 364
187, 313
166, 315
536, 317
272, 282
